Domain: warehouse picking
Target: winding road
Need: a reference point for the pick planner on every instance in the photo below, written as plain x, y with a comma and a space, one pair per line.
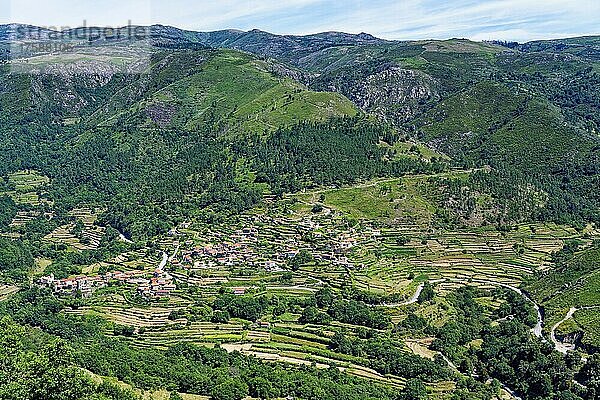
413, 299
163, 262
561, 346
124, 238
558, 345
166, 258
537, 329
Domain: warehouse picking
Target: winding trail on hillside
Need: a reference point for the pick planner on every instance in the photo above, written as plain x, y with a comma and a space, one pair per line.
415, 296
123, 238
297, 287
559, 345
163, 262
413, 299
166, 258
537, 329
511, 392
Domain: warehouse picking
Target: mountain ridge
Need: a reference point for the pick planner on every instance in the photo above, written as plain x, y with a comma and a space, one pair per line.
362, 37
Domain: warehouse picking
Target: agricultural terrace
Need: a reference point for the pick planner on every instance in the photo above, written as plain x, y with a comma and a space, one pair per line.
27, 187
246, 284
81, 234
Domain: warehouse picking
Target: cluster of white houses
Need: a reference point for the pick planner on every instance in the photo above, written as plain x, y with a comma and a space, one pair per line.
225, 250
160, 284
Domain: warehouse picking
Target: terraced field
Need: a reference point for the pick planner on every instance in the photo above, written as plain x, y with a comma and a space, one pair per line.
85, 237
360, 239
7, 291
28, 186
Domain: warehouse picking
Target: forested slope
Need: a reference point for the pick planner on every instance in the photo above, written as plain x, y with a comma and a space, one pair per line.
529, 115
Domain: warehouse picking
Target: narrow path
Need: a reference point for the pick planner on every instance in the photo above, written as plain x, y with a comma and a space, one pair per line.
558, 345
166, 259
123, 238
415, 296
450, 363
163, 262
511, 392
412, 300
297, 287
561, 346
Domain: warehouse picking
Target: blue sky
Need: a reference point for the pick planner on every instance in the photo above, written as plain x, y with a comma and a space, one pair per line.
520, 20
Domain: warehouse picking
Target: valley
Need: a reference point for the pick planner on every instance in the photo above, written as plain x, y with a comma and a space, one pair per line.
343, 248
241, 215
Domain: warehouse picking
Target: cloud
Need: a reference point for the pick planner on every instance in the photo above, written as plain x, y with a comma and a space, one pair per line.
211, 15
525, 19
73, 13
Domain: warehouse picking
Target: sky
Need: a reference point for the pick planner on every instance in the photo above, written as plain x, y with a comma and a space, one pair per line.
515, 20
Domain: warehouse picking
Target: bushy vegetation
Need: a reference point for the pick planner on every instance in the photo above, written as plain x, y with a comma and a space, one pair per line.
35, 366
183, 367
388, 357
508, 351
16, 259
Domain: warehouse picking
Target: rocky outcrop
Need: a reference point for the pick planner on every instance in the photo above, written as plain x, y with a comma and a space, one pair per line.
394, 94
397, 90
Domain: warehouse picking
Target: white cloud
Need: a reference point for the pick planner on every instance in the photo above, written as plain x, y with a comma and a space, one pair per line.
74, 13
213, 15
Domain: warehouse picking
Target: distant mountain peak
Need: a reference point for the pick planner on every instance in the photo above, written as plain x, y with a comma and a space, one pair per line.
366, 36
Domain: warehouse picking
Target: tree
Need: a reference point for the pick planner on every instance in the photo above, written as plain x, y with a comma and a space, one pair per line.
175, 396
303, 257
16, 259
427, 294
412, 323
261, 388
220, 317
415, 390
8, 210
317, 208
230, 389
324, 297
34, 368
312, 315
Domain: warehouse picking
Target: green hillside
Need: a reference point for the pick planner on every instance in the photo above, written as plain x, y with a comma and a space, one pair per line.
492, 121
522, 137
241, 92
573, 284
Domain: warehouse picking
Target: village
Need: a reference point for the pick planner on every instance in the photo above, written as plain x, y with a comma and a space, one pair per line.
159, 285
221, 248
190, 284
253, 246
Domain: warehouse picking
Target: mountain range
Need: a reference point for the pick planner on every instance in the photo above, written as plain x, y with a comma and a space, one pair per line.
529, 111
